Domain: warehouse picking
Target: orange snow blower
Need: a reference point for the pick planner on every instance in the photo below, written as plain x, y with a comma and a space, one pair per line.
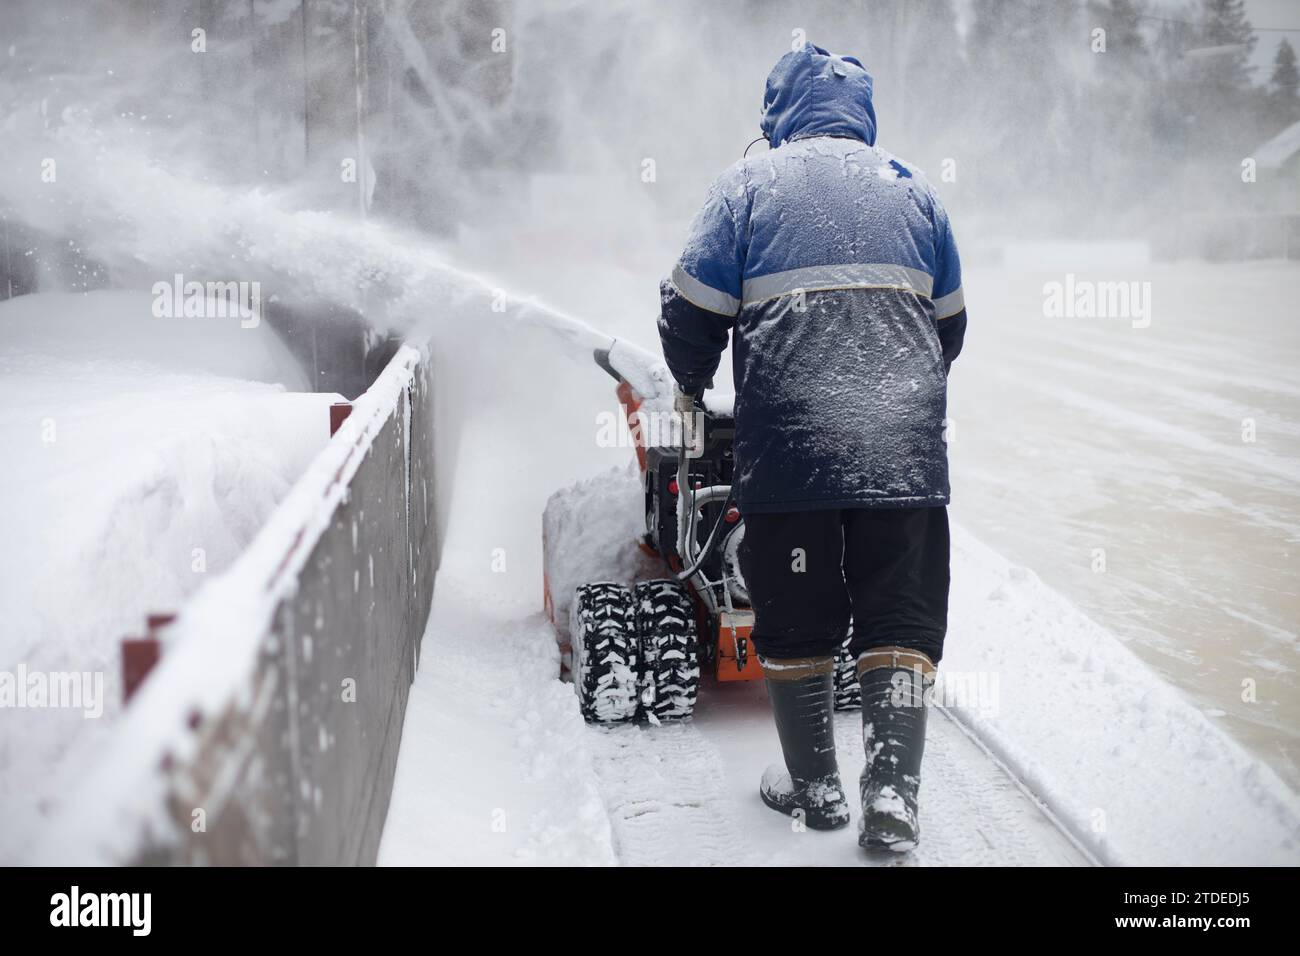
637, 653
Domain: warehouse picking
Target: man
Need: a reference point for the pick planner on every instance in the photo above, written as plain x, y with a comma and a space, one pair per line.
835, 265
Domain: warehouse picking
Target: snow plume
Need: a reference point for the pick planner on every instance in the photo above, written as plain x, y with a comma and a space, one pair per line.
237, 136
98, 188
139, 221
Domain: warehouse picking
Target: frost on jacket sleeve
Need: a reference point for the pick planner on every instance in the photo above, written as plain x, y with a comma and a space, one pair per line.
700, 300
949, 304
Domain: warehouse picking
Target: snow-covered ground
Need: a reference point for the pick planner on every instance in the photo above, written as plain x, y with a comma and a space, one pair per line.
546, 788
497, 766
541, 786
1174, 449
1073, 434
1124, 559
141, 456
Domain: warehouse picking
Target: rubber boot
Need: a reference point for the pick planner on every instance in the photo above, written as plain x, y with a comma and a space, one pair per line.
895, 682
802, 697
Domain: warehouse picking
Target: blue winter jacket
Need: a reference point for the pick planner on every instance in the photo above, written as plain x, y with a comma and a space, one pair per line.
835, 266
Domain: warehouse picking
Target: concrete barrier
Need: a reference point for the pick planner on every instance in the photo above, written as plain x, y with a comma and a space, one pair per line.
268, 731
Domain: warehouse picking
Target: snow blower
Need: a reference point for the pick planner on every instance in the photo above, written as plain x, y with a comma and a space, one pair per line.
637, 652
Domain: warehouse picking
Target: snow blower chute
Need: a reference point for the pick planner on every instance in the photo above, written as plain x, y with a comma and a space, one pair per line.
636, 652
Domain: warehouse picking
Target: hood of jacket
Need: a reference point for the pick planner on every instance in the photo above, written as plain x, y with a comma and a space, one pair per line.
811, 92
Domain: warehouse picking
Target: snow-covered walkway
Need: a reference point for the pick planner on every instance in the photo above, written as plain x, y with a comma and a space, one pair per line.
498, 767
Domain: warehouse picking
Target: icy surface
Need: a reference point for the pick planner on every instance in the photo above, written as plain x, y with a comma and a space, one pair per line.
1151, 474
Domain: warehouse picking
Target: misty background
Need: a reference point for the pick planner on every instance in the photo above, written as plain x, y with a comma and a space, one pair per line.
452, 125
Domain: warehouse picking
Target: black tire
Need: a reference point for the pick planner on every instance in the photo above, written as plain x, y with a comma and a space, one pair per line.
848, 692
670, 649
606, 653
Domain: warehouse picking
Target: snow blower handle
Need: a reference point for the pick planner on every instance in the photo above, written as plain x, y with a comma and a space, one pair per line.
684, 406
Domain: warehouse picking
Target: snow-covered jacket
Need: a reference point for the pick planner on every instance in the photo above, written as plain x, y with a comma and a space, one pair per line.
835, 266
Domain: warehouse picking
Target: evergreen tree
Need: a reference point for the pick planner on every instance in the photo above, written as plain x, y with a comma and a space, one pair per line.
1284, 84
1123, 31
1225, 24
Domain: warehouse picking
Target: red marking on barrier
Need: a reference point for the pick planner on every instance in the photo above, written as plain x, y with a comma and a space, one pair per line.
139, 655
339, 413
156, 622
344, 409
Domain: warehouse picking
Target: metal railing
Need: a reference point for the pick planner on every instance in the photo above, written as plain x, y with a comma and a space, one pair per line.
268, 731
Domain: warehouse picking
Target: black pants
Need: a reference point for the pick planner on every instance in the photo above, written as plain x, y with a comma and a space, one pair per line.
810, 572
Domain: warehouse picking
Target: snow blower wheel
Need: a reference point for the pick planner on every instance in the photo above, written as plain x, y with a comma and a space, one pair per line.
606, 651
637, 653
670, 650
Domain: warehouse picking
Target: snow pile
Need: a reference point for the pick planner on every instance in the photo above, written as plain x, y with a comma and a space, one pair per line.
119, 329
213, 647
1138, 772
591, 531
495, 767
142, 455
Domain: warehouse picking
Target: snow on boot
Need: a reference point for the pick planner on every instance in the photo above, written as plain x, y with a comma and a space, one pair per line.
802, 694
895, 682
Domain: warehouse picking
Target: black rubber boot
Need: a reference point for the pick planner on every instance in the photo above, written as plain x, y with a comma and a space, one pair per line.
894, 684
802, 694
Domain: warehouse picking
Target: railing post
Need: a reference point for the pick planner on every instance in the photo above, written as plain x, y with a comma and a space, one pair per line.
141, 654
339, 413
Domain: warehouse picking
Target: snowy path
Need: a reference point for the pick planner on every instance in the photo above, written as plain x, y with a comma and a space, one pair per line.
497, 766
1072, 435
687, 795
